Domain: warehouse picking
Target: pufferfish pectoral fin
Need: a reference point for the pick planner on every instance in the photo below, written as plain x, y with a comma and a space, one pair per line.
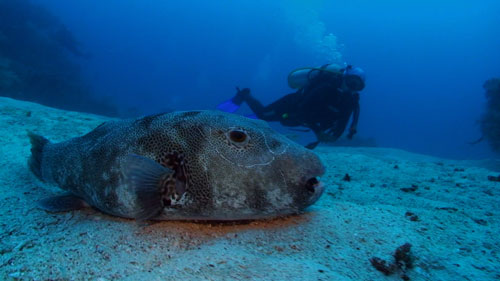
62, 203
145, 177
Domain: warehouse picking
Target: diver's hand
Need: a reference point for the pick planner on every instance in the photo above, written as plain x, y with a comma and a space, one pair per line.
312, 145
325, 137
352, 132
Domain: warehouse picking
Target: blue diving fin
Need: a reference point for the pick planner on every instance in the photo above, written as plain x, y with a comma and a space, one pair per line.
228, 106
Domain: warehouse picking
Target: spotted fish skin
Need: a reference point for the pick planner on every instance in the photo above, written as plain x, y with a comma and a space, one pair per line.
212, 166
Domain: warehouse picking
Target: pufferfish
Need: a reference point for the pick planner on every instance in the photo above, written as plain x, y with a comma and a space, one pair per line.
185, 165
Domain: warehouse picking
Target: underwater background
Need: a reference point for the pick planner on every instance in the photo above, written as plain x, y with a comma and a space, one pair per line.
426, 61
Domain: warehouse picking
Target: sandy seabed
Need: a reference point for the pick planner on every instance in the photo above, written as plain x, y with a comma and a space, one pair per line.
447, 210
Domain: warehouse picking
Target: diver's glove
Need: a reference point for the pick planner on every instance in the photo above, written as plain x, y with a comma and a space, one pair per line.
312, 145
352, 132
241, 95
321, 137
326, 136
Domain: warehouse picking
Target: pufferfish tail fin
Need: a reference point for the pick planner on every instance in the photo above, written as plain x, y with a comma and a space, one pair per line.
35, 161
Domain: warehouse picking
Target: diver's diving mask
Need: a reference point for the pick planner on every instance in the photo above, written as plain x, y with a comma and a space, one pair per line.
354, 83
354, 78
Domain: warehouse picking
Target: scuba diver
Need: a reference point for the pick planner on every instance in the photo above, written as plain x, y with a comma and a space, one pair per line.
326, 98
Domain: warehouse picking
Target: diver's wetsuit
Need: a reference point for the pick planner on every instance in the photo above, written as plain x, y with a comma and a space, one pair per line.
321, 106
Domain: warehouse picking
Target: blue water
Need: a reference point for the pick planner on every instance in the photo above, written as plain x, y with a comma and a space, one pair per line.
426, 61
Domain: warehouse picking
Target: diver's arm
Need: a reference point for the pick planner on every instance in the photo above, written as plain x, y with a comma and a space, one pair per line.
355, 117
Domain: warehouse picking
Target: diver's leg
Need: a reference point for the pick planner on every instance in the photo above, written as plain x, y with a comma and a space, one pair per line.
286, 110
263, 112
267, 113
272, 112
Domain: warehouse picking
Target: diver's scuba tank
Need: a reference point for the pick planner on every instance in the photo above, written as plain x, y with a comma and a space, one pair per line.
300, 77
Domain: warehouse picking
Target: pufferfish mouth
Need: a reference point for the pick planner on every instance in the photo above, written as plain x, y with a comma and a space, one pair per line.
312, 184
315, 188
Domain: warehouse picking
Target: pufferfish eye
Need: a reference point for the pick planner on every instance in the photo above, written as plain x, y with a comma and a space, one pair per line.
238, 136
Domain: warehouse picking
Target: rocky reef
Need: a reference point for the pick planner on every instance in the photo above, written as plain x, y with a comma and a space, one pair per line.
39, 60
